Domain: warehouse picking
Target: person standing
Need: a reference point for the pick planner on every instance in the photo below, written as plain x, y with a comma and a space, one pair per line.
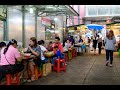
109, 47
80, 40
88, 41
99, 44
94, 44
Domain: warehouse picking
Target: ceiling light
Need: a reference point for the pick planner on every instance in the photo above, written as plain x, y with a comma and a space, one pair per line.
55, 19
50, 7
31, 10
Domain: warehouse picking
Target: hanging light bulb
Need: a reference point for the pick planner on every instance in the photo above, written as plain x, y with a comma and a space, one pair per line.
31, 10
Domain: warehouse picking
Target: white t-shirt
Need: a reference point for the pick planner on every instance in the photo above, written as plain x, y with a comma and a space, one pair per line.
42, 51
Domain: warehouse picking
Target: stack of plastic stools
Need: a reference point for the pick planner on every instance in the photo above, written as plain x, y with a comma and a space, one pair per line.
59, 65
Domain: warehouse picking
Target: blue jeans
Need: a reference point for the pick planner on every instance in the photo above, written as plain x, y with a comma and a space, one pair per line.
109, 53
55, 58
44, 61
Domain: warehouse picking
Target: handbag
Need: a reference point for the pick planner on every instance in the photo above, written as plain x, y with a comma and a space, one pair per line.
37, 61
47, 68
18, 66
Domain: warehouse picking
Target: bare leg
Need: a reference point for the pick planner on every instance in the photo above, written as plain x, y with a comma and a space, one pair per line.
31, 65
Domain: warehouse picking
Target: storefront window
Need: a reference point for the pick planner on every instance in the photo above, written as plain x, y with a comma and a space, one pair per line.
116, 10
29, 27
100, 10
103, 11
92, 11
15, 24
40, 29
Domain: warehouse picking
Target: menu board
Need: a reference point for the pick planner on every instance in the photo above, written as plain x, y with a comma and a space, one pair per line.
50, 31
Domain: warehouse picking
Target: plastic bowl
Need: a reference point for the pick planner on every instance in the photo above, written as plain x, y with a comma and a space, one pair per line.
27, 54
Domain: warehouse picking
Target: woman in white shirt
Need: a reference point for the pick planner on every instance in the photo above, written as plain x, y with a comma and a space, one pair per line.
67, 45
43, 49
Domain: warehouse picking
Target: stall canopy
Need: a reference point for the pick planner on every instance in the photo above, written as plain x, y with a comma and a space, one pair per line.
47, 10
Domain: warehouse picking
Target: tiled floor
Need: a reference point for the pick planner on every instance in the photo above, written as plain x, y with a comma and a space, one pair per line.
88, 69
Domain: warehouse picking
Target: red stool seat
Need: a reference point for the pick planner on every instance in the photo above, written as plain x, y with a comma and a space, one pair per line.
66, 57
74, 54
37, 74
59, 65
10, 80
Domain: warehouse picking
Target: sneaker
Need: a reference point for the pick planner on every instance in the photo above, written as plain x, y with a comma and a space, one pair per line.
24, 80
33, 78
110, 65
29, 80
107, 63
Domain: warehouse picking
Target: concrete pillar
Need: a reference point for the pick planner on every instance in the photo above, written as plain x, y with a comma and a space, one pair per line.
6, 31
23, 26
36, 23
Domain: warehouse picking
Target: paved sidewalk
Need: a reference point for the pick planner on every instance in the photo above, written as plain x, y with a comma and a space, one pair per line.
88, 69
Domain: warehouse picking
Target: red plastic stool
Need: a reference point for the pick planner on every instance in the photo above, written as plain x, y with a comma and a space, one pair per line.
10, 80
73, 53
58, 67
37, 74
66, 57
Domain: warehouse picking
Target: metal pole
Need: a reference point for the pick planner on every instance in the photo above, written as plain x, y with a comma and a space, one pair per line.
36, 23
6, 26
66, 25
79, 14
4, 30
63, 29
23, 26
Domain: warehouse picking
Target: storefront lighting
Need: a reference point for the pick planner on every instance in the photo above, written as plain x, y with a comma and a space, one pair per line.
52, 26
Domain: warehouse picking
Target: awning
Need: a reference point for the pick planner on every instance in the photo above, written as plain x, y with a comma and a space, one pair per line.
48, 10
54, 10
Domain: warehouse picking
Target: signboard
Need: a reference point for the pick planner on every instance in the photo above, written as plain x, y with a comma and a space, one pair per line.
115, 19
46, 21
